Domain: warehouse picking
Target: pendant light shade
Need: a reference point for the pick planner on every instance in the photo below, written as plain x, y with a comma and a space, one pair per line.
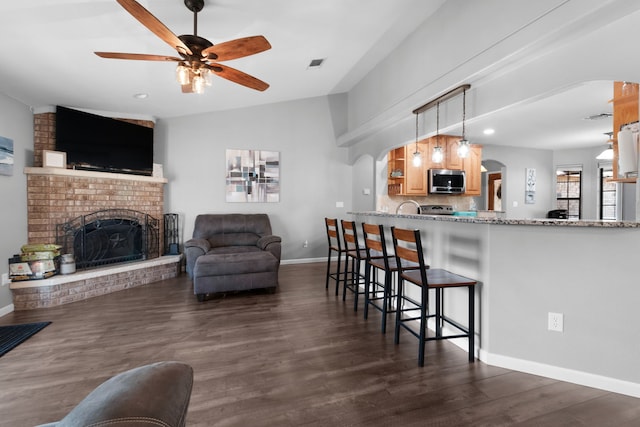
463, 145
463, 148
437, 155
607, 154
417, 156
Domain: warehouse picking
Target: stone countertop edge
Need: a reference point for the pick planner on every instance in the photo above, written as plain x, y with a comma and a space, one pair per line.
501, 221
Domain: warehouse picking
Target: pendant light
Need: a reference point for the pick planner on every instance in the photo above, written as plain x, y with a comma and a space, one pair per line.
417, 156
463, 144
437, 156
607, 154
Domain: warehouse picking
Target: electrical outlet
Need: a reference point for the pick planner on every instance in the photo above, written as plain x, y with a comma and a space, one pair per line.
556, 322
305, 244
5, 279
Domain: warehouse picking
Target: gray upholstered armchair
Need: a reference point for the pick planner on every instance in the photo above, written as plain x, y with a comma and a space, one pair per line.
151, 395
232, 252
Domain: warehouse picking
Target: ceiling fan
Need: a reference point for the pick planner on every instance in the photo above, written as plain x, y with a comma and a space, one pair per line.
198, 56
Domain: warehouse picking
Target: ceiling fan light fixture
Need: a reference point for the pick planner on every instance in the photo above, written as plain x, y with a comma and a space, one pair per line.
196, 53
183, 74
198, 83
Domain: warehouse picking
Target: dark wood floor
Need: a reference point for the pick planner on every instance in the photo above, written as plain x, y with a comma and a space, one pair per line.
297, 357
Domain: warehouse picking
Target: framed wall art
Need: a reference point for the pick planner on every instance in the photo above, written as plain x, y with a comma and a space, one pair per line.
253, 176
530, 186
6, 156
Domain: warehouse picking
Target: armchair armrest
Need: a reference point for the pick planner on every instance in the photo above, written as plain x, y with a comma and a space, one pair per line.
272, 244
265, 241
202, 244
193, 248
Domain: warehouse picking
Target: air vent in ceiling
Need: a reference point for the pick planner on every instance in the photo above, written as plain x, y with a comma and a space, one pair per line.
316, 63
599, 116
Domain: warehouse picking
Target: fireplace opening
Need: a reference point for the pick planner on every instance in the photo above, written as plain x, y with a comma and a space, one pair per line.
109, 236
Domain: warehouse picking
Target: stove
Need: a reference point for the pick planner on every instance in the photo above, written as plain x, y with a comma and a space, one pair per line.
436, 210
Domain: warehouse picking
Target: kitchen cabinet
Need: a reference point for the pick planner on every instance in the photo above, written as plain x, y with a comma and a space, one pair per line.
452, 160
416, 176
472, 165
625, 110
395, 171
406, 179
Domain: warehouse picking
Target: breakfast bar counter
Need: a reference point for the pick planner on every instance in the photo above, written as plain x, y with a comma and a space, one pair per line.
503, 221
528, 268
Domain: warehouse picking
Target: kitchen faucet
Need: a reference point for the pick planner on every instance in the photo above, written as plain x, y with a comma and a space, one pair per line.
417, 205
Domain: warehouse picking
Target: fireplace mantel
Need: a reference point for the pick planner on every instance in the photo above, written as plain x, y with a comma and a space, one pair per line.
92, 174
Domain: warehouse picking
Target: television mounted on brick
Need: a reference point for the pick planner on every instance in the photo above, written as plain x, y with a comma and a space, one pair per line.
104, 144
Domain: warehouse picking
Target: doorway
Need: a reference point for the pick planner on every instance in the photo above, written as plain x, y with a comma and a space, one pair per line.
494, 193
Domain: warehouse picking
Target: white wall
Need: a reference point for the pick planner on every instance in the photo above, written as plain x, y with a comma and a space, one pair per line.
516, 160
314, 172
16, 123
363, 180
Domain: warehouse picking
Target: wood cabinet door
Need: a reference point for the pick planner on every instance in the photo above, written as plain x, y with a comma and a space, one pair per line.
452, 160
415, 180
472, 166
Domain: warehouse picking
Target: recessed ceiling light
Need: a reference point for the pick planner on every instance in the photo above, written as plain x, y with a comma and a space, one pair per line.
489, 131
141, 95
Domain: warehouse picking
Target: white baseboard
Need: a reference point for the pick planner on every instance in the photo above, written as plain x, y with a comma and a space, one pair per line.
303, 260
6, 310
563, 374
548, 371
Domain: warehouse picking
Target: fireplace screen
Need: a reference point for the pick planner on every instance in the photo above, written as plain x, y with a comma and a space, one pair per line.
109, 236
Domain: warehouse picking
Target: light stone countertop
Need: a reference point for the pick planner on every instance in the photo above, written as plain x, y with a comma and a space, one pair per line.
503, 221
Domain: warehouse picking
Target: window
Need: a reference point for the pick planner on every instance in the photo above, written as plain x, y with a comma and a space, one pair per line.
569, 190
608, 195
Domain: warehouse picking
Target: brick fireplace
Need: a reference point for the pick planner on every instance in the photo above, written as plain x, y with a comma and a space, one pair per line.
58, 195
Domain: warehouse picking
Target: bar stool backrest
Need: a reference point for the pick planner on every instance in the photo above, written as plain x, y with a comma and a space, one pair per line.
409, 253
374, 242
350, 235
333, 234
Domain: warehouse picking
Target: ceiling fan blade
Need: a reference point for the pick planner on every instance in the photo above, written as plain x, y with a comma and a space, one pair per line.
136, 56
237, 76
154, 25
237, 48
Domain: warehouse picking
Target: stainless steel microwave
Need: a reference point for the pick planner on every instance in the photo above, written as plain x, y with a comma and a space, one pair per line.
446, 181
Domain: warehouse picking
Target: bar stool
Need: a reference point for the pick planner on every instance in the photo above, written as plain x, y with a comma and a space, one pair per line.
409, 253
335, 245
378, 260
354, 254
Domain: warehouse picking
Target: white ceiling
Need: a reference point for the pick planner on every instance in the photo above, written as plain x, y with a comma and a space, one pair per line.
47, 51
47, 59
555, 121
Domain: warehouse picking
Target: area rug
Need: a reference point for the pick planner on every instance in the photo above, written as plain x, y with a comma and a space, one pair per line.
13, 335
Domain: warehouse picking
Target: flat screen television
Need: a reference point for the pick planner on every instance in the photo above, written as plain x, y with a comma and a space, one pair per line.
99, 143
